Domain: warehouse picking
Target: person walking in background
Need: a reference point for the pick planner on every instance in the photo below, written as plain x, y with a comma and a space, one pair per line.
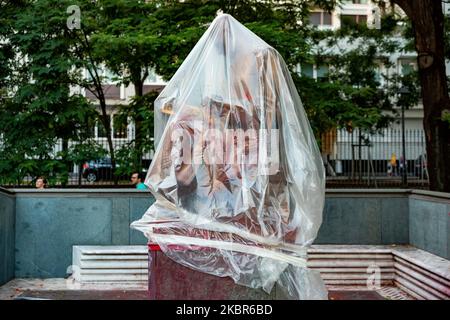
41, 183
137, 179
394, 164
403, 165
389, 169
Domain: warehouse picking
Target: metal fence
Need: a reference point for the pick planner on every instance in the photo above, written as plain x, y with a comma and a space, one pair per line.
352, 160
91, 173
360, 159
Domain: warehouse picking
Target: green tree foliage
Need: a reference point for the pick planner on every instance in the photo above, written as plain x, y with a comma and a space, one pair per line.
129, 155
39, 110
44, 58
349, 95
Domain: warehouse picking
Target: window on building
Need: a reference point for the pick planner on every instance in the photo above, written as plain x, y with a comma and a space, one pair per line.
381, 72
407, 66
318, 72
315, 18
356, 1
308, 70
119, 127
353, 19
153, 77
107, 76
322, 72
326, 19
90, 124
101, 131
379, 75
320, 18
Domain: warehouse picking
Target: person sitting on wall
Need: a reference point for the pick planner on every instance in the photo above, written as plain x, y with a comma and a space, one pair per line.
41, 183
137, 179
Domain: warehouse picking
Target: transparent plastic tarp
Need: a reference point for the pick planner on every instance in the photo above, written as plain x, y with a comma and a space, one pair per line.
237, 175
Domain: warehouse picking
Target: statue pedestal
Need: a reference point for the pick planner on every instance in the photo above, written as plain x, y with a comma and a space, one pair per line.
169, 280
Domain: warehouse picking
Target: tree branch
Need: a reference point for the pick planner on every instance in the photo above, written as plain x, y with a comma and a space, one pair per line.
405, 5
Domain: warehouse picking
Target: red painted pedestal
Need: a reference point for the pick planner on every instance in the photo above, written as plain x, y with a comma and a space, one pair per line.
169, 280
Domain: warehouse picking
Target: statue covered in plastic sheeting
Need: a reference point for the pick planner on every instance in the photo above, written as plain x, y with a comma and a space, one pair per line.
237, 175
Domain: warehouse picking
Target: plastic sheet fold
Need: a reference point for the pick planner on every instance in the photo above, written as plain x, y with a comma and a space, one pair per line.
237, 175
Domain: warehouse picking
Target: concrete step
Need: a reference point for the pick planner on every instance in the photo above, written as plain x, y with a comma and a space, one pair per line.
114, 277
348, 263
110, 264
355, 282
352, 270
114, 271
421, 282
417, 272
355, 276
344, 256
113, 264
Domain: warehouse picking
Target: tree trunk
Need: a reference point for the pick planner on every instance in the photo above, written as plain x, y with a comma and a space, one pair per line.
80, 171
65, 147
108, 130
139, 92
428, 24
86, 53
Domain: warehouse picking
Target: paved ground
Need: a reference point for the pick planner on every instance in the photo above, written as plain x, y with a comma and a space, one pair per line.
84, 295
355, 295
67, 289
17, 287
143, 295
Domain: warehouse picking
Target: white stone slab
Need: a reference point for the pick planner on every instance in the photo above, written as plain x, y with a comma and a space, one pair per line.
406, 266
424, 259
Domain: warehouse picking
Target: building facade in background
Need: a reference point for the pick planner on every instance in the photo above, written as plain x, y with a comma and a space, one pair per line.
342, 149
357, 153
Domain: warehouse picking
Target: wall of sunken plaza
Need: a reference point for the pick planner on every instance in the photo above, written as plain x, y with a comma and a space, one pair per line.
38, 228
